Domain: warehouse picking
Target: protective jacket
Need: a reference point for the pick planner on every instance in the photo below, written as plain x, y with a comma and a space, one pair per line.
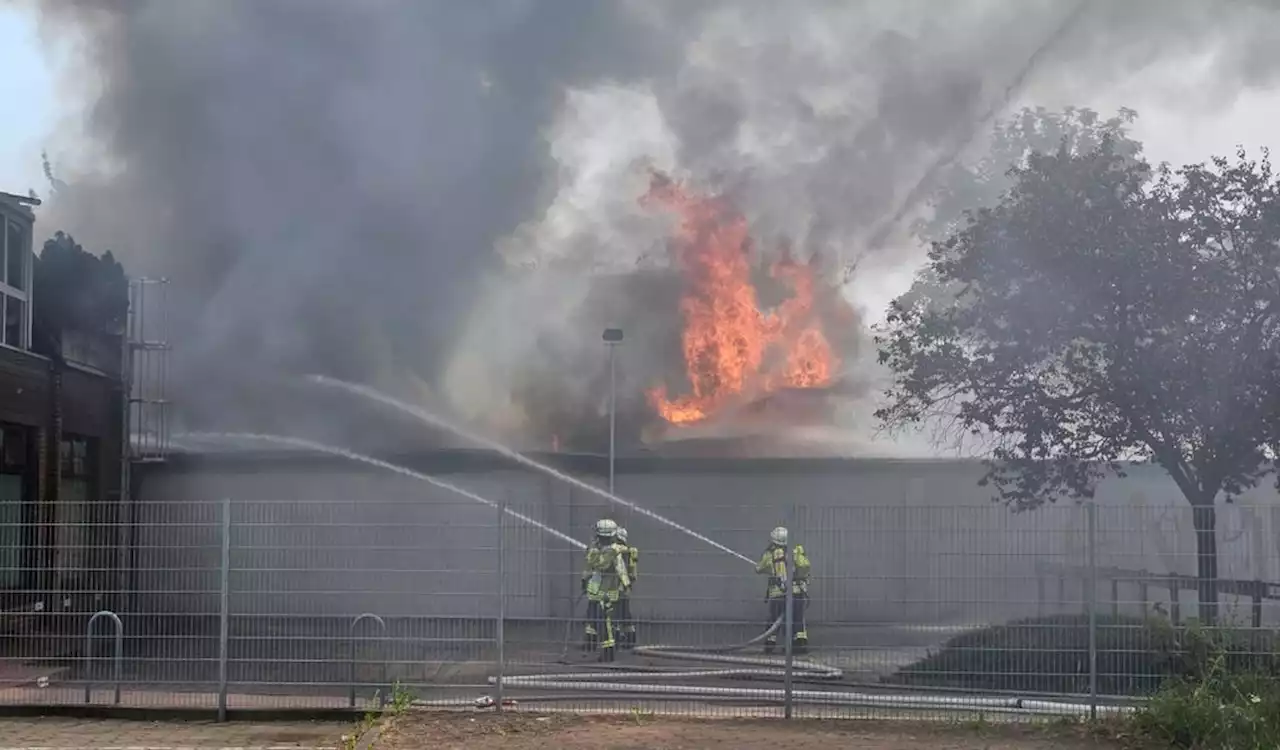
593, 551
633, 563
606, 575
773, 563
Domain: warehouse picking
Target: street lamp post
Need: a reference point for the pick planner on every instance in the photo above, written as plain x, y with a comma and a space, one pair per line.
612, 337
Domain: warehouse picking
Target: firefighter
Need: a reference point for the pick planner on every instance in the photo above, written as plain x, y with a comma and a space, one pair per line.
609, 573
606, 582
628, 625
606, 529
773, 563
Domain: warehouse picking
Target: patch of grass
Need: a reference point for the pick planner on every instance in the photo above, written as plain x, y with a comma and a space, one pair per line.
1136, 656
1218, 709
639, 715
366, 724
401, 701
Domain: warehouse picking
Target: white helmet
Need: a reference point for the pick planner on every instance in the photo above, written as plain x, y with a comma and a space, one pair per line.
622, 534
779, 536
606, 528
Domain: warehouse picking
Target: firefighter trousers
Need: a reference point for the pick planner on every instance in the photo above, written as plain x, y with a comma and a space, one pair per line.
778, 607
626, 625
600, 622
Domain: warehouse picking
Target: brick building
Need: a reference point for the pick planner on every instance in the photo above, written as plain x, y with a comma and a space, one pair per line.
61, 424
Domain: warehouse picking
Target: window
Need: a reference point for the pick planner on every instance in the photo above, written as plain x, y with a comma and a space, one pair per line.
15, 277
16, 248
13, 449
15, 319
74, 458
17, 482
11, 531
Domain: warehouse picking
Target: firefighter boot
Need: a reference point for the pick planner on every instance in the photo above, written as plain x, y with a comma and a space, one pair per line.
606, 654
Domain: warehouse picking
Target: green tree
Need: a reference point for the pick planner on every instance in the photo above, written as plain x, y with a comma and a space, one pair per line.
75, 290
969, 186
1106, 311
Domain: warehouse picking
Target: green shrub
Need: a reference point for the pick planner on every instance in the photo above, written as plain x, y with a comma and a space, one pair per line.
1136, 656
1219, 710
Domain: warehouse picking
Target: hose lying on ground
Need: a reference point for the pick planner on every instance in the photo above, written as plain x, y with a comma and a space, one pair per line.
764, 667
658, 683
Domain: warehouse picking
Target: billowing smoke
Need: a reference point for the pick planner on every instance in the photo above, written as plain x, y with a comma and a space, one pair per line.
322, 180
441, 197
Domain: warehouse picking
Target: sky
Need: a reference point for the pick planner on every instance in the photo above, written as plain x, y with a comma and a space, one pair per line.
27, 90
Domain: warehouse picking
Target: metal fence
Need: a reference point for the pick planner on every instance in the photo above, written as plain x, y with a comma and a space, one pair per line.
912, 610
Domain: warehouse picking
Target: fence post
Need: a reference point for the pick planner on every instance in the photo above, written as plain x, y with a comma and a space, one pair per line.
500, 625
788, 630
1091, 512
224, 620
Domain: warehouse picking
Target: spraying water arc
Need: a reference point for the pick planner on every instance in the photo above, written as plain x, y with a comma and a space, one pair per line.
351, 455
766, 668
668, 652
440, 422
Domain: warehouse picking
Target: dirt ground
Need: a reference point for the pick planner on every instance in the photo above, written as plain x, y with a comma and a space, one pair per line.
442, 731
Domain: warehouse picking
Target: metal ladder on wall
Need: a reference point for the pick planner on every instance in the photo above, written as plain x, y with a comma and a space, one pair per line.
147, 371
144, 372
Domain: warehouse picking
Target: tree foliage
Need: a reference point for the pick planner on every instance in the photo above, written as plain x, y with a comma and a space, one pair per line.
969, 186
76, 290
1106, 311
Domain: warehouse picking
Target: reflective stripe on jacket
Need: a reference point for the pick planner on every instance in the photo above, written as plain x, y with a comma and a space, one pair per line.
607, 571
773, 563
589, 576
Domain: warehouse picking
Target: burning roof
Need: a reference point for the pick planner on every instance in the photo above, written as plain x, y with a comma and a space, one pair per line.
735, 348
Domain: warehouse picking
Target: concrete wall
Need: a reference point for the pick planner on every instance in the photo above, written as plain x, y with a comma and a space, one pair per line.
915, 542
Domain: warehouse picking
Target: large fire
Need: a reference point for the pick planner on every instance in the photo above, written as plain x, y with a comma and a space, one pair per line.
731, 346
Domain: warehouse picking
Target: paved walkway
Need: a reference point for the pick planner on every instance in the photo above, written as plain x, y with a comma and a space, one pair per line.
49, 733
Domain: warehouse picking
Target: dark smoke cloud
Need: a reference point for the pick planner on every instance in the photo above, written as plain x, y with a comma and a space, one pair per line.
327, 181
322, 180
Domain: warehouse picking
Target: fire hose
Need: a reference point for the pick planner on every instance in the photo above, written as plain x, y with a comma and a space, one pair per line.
760, 667
586, 685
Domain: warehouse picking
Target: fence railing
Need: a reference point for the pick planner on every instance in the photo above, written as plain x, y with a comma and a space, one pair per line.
1174, 584
910, 607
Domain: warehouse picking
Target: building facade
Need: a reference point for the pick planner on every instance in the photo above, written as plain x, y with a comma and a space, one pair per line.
60, 448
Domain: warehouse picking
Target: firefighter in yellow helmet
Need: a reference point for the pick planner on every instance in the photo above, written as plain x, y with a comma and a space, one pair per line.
604, 581
773, 563
604, 532
626, 622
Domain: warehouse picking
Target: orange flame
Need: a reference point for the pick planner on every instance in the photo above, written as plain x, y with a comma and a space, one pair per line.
730, 345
